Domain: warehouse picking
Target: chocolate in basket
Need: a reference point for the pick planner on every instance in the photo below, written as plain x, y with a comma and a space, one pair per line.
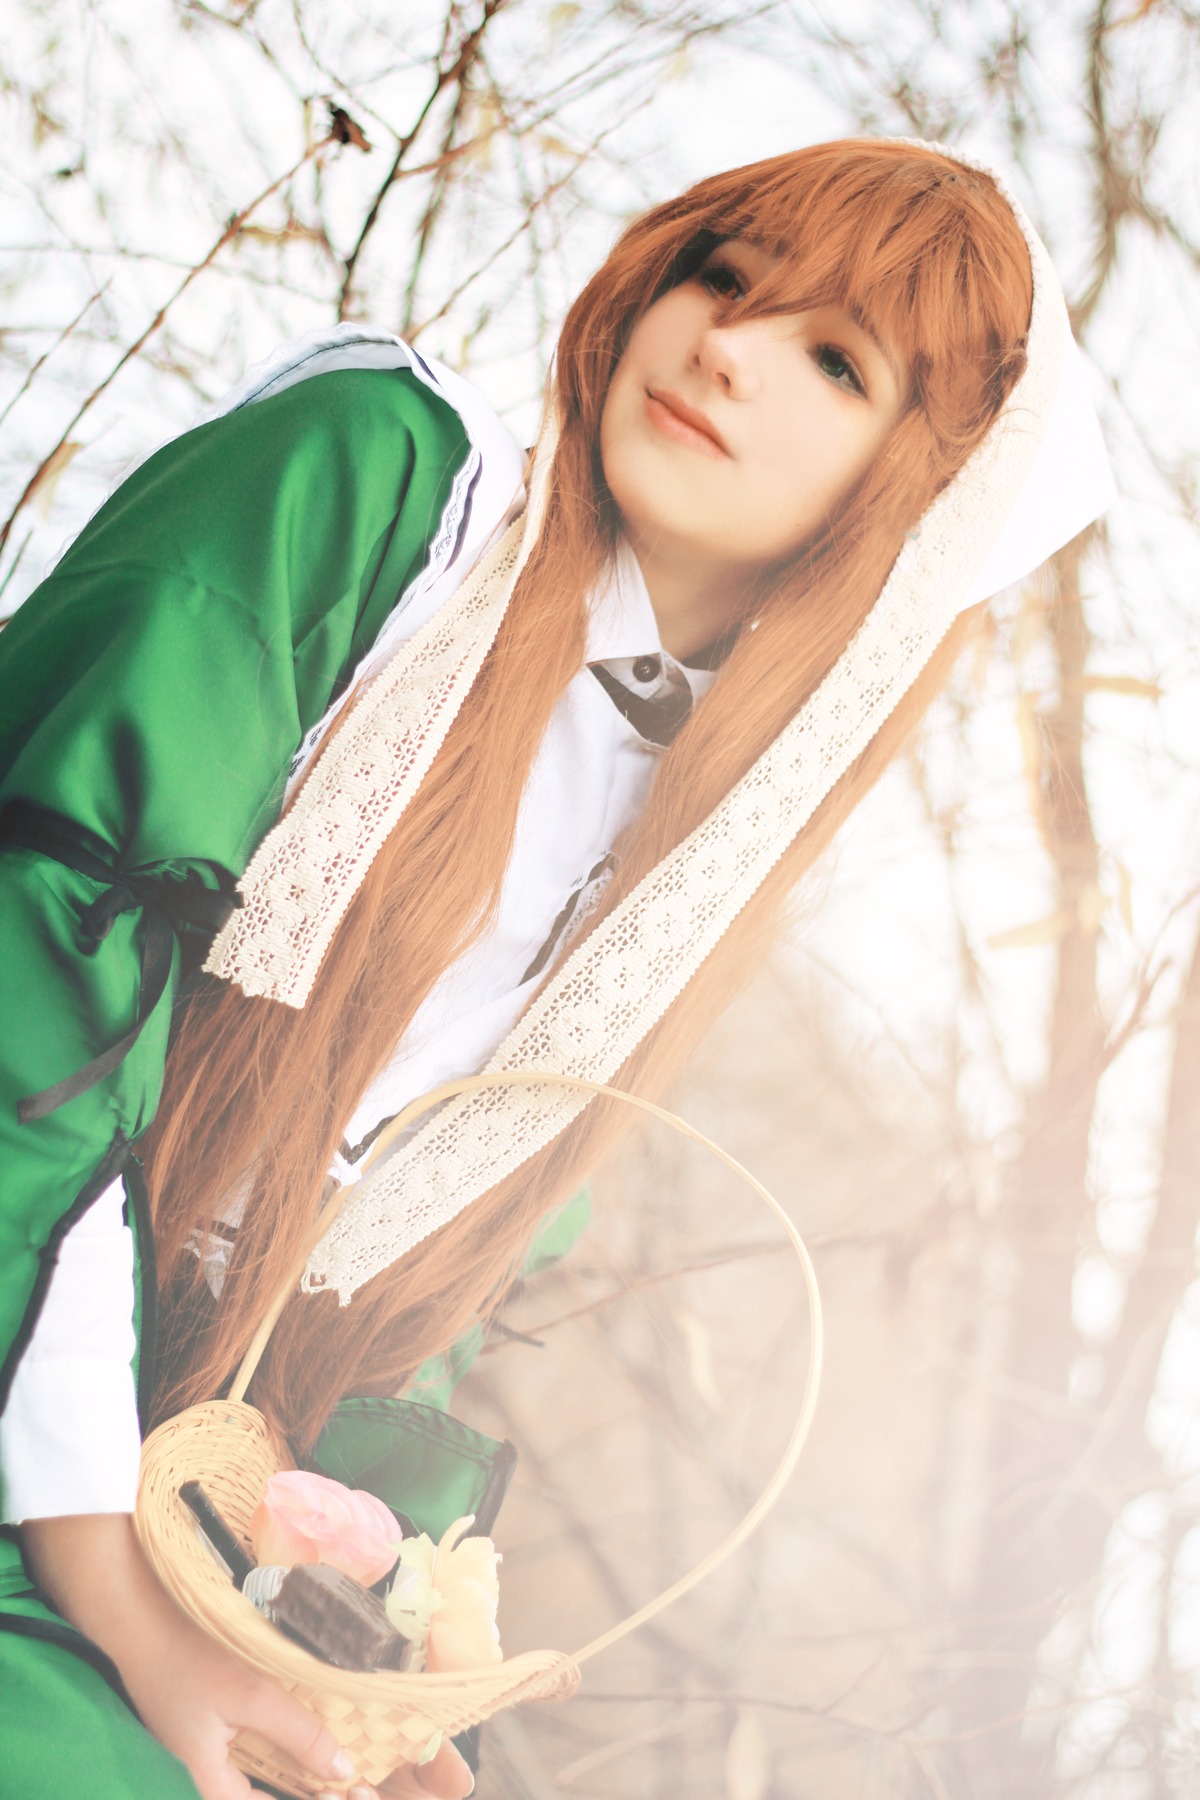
331, 1614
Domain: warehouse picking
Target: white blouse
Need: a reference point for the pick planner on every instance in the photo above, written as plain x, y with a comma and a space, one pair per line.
69, 1440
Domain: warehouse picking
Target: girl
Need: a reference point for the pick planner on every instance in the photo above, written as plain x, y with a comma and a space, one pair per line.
548, 784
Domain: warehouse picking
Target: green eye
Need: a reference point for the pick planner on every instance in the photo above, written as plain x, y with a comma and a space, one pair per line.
837, 365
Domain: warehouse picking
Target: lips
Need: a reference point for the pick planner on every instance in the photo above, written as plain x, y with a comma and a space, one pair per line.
675, 418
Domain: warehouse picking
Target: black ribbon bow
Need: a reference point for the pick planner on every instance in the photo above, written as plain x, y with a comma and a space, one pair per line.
168, 904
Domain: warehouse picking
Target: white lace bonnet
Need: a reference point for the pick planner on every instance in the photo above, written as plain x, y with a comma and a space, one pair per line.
1038, 478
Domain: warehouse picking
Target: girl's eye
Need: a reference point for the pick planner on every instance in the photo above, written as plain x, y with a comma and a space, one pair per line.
723, 280
837, 365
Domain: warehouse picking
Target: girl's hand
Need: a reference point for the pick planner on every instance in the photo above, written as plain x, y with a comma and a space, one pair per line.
447, 1777
195, 1697
192, 1694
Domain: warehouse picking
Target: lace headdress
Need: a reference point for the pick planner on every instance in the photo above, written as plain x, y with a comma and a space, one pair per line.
1037, 478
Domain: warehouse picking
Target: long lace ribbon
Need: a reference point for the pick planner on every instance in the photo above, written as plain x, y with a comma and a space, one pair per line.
612, 990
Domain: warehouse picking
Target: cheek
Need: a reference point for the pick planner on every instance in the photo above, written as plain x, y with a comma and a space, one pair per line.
778, 517
610, 431
620, 431
787, 490
809, 462
831, 443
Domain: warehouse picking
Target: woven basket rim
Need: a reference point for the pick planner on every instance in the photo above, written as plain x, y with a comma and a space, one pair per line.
390, 1712
233, 1620
381, 1718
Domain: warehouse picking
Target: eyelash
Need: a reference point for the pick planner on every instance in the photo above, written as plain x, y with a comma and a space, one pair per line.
718, 277
822, 351
713, 273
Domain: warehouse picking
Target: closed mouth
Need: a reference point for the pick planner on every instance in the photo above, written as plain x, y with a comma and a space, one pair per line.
697, 426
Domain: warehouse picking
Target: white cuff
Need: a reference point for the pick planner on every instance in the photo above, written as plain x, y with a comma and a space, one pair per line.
69, 1437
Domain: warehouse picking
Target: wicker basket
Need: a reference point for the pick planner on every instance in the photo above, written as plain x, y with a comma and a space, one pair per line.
383, 1719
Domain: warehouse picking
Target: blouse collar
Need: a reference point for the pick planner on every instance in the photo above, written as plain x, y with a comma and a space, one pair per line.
622, 625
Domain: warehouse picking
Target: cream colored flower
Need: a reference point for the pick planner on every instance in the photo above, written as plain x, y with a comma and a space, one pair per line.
444, 1599
463, 1632
412, 1598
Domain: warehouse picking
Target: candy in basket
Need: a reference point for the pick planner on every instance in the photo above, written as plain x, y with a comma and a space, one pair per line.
381, 1714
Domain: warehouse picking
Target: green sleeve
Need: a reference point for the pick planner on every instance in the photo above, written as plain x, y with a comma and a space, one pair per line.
153, 692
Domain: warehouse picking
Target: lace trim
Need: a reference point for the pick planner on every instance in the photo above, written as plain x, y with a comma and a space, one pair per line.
618, 984
306, 871
301, 879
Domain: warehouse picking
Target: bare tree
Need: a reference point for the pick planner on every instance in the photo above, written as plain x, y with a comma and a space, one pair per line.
978, 1089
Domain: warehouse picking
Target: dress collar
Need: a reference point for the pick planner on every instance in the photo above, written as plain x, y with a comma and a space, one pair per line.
621, 619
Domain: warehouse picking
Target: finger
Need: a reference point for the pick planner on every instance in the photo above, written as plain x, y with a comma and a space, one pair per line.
447, 1776
293, 1728
217, 1778
403, 1785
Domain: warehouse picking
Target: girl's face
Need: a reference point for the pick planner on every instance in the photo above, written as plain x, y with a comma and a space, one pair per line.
727, 444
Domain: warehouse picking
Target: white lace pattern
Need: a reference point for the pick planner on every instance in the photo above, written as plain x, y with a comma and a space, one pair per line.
305, 873
619, 983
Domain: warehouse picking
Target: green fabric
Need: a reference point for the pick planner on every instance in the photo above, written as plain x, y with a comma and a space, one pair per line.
415, 1458
63, 1729
436, 1379
560, 1233
153, 691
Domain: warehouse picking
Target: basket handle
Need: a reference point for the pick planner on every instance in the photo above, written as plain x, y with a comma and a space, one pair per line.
539, 1078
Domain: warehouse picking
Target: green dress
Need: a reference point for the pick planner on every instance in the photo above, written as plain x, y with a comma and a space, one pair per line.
153, 692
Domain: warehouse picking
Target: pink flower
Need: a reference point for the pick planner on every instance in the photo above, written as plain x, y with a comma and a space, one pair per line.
305, 1518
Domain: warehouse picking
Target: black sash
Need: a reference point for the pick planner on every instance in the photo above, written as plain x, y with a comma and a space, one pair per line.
169, 904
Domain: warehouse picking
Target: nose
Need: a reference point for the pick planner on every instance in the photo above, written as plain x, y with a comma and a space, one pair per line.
726, 354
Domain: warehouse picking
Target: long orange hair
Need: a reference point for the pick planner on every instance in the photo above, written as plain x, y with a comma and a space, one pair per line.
257, 1094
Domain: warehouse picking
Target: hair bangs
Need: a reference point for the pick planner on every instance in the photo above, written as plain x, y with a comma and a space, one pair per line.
924, 252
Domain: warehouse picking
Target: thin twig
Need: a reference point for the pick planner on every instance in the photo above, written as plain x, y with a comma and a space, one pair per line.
231, 230
44, 358
447, 73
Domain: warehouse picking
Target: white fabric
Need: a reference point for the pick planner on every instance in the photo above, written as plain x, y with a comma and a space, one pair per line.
1069, 484
69, 1437
69, 1440
589, 780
